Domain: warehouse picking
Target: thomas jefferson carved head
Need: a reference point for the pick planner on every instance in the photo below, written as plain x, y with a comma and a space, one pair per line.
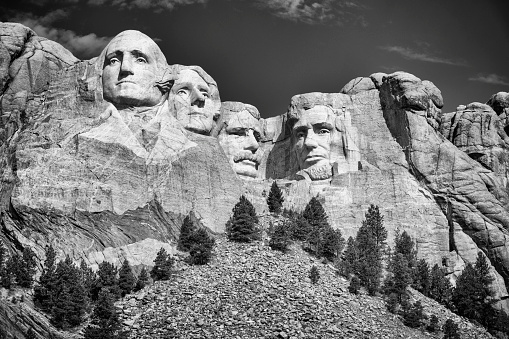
134, 70
195, 99
239, 135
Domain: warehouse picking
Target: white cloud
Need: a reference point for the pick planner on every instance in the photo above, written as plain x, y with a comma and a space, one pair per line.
155, 5
493, 79
316, 11
83, 46
412, 54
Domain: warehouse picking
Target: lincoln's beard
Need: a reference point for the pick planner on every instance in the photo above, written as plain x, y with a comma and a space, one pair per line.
319, 172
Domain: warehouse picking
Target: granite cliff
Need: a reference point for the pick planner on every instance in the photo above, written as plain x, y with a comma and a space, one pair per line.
102, 174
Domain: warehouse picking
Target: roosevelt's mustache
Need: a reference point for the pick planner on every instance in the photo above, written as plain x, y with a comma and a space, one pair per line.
247, 155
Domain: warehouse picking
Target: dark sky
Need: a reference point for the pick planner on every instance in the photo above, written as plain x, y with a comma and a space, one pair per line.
264, 52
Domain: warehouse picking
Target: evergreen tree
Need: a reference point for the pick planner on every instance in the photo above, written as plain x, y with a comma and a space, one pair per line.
186, 233
88, 276
69, 297
106, 279
43, 292
25, 273
315, 214
126, 279
105, 323
280, 236
201, 247
348, 264
472, 294
399, 277
355, 285
3, 259
374, 222
369, 265
6, 268
242, 225
314, 274
440, 287
142, 280
451, 330
422, 277
275, 199
300, 228
414, 316
163, 267
330, 242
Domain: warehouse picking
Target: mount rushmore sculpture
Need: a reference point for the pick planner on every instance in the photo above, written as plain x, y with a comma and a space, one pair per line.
103, 158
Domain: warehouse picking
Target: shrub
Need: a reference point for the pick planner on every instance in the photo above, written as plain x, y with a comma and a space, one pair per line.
280, 236
275, 199
450, 329
433, 325
414, 316
314, 274
163, 267
355, 285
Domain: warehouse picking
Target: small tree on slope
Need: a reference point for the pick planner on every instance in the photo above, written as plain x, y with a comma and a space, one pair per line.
242, 225
275, 199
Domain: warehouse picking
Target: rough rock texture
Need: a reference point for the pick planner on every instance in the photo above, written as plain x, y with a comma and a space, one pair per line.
73, 177
250, 291
470, 195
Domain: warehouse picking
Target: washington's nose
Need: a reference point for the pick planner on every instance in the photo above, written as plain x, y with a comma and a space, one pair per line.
251, 143
197, 98
126, 66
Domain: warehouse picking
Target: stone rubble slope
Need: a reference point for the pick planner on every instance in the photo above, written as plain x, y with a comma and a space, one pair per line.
251, 291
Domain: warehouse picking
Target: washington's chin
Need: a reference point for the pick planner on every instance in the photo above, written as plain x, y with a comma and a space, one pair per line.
133, 94
198, 123
246, 168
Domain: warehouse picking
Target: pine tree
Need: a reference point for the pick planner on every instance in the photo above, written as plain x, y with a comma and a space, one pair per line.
186, 232
142, 280
451, 330
348, 264
12, 266
440, 287
300, 228
163, 267
414, 316
472, 294
88, 276
3, 259
275, 199
314, 274
126, 279
422, 277
6, 275
106, 279
330, 242
241, 226
374, 222
280, 236
105, 322
315, 214
201, 247
399, 278
43, 292
406, 246
25, 272
369, 265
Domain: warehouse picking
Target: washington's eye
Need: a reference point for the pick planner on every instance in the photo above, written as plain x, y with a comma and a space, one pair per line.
205, 94
323, 131
113, 61
301, 134
141, 60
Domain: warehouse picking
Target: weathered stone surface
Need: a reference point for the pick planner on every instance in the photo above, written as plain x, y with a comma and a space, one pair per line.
470, 195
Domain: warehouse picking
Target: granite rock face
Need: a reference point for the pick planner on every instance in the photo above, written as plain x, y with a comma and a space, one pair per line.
106, 178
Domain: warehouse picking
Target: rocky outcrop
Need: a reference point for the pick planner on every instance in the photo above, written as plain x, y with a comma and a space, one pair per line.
471, 196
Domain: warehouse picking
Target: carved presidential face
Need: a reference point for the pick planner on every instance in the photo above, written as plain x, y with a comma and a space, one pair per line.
192, 97
131, 69
239, 139
312, 137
